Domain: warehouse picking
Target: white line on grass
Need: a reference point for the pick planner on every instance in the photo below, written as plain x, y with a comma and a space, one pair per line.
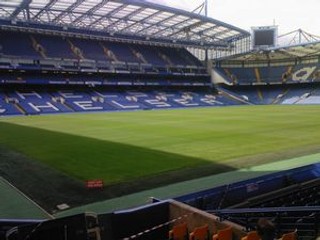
25, 196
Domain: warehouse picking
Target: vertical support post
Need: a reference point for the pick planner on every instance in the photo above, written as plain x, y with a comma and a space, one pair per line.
206, 8
206, 49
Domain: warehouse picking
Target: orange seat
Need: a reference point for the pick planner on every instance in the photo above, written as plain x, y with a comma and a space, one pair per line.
223, 234
253, 235
179, 232
289, 236
200, 233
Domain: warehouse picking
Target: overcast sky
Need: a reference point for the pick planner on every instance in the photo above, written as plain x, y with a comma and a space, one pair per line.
289, 15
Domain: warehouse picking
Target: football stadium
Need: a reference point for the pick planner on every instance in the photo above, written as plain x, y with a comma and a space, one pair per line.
128, 119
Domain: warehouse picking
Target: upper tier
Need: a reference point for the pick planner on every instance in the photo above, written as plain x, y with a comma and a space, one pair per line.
36, 46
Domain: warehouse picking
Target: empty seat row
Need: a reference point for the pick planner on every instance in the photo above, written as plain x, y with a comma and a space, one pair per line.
180, 232
37, 46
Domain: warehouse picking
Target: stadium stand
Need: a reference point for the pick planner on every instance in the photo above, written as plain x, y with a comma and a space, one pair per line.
179, 232
183, 217
289, 199
57, 61
289, 236
270, 75
223, 234
252, 235
15, 44
66, 63
306, 93
281, 75
163, 217
37, 100
200, 233
43, 46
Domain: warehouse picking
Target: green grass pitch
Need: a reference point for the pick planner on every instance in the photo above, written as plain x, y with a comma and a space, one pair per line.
124, 146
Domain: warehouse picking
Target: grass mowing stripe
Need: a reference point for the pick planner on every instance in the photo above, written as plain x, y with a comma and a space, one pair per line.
134, 144
89, 158
145, 149
182, 188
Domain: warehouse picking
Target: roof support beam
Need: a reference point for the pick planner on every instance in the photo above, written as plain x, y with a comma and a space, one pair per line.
23, 6
91, 11
215, 37
109, 14
313, 53
157, 24
126, 18
3, 9
45, 9
186, 29
203, 32
176, 27
142, 21
287, 53
68, 10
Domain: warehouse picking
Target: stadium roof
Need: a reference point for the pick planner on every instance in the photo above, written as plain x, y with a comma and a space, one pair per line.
134, 18
304, 50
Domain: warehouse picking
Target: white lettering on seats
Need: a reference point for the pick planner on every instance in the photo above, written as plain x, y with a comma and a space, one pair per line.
185, 102
157, 103
125, 106
303, 74
87, 105
39, 107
